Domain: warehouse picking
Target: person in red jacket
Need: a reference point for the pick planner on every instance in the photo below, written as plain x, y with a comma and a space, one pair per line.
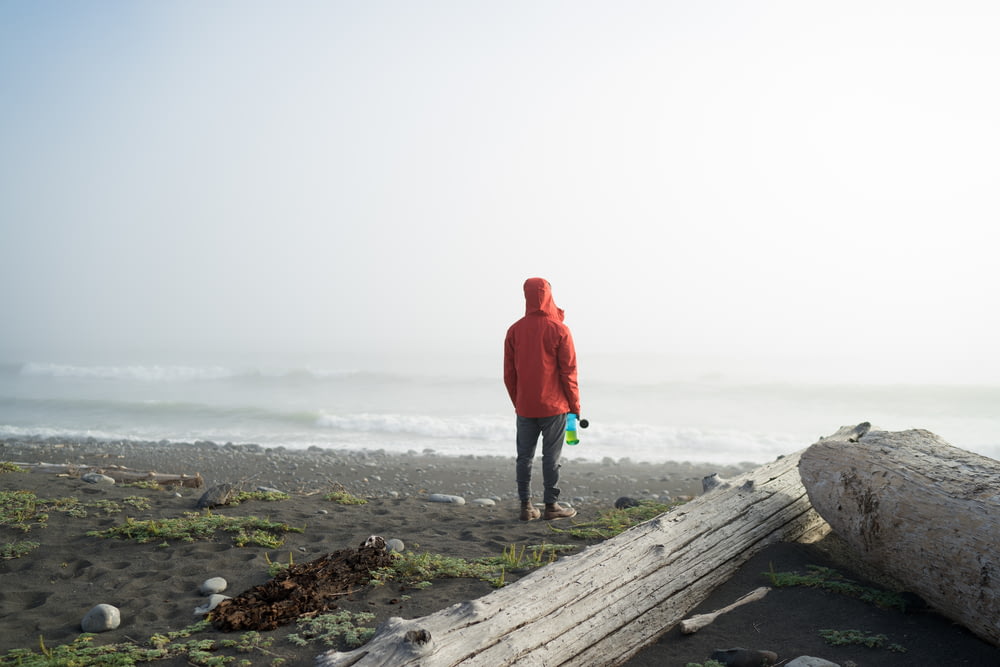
539, 370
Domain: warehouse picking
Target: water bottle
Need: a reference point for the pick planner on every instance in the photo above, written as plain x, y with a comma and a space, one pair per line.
571, 438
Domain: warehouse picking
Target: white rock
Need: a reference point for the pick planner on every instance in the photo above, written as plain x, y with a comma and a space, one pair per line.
101, 618
485, 502
213, 602
97, 478
445, 498
809, 661
394, 545
213, 585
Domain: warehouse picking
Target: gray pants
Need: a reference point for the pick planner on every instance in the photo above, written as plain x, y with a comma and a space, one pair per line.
552, 430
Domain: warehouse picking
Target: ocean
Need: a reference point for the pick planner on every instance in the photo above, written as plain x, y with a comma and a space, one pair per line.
468, 413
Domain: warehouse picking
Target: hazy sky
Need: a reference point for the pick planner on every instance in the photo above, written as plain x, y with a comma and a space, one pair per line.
803, 187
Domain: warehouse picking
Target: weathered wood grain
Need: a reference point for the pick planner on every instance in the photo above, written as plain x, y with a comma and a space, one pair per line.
922, 511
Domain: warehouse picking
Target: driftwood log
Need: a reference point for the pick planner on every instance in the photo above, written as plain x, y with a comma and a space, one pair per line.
920, 510
118, 473
604, 604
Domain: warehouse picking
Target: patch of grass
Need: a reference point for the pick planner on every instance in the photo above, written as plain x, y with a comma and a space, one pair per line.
7, 466
412, 568
23, 510
418, 569
140, 503
526, 556
340, 495
858, 638
266, 496
204, 652
830, 580
275, 567
201, 526
330, 629
12, 550
615, 521
142, 484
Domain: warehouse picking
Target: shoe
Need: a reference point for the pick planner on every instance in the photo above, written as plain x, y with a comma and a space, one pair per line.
529, 512
557, 511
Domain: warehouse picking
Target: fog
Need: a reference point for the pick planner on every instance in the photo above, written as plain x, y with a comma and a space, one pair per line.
766, 190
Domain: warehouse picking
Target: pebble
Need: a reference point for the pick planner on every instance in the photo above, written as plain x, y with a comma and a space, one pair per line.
213, 585
809, 661
486, 502
445, 498
97, 478
394, 545
625, 502
101, 618
213, 602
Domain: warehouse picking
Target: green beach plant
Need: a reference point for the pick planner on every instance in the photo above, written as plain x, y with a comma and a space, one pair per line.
340, 495
8, 466
418, 569
333, 628
23, 510
12, 550
830, 580
275, 567
612, 522
858, 638
265, 496
201, 526
20, 510
81, 652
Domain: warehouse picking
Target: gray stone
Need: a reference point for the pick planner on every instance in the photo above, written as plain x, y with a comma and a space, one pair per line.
97, 478
809, 661
101, 618
394, 545
445, 498
486, 502
220, 494
743, 657
213, 602
213, 585
625, 502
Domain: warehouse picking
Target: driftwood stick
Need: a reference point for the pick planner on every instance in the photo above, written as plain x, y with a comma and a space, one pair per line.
119, 474
698, 621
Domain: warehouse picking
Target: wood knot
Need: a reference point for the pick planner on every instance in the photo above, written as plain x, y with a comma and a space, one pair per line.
418, 637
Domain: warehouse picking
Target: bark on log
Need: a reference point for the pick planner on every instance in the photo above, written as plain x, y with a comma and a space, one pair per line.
604, 604
119, 474
920, 510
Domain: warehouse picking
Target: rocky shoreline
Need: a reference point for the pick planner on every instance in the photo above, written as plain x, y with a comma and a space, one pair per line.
374, 473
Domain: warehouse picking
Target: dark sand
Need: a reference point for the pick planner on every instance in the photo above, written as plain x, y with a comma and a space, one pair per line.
46, 593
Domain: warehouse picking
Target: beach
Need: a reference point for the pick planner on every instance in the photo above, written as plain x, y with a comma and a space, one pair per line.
46, 592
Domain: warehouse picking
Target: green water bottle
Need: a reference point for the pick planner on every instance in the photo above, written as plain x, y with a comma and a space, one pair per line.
571, 438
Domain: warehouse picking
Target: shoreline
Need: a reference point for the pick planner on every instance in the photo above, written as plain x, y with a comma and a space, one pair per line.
376, 473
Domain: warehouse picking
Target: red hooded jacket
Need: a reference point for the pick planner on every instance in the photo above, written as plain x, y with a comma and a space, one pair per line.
539, 361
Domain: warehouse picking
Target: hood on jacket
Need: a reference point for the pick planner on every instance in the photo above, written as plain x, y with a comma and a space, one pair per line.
538, 299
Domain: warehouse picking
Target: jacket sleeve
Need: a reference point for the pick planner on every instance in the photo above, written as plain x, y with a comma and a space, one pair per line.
567, 371
509, 367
